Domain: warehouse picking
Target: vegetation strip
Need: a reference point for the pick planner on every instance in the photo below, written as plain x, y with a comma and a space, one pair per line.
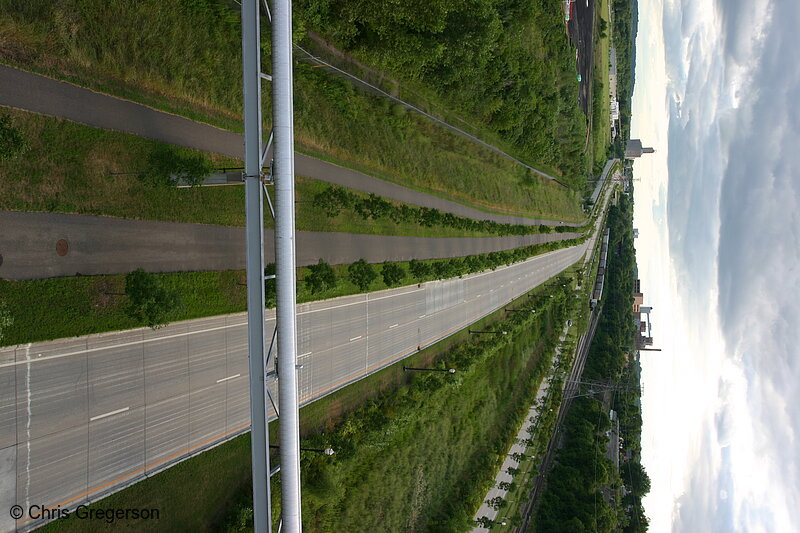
68, 307
93, 171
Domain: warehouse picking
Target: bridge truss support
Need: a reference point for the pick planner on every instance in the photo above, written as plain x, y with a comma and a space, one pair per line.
282, 175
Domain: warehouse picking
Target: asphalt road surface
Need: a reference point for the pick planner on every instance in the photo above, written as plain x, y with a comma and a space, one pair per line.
105, 245
83, 417
40, 94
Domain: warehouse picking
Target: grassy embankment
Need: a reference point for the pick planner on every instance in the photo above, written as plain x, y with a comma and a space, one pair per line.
183, 57
541, 425
417, 453
69, 167
504, 67
624, 39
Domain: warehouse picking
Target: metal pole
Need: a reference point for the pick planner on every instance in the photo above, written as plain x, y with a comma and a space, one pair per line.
262, 521
283, 173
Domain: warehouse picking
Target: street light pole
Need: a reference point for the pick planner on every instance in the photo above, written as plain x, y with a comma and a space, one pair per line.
448, 370
472, 331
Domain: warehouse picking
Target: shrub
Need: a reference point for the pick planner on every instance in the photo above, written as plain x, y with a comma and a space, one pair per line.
148, 300
496, 503
392, 273
168, 166
419, 269
362, 274
6, 319
321, 277
11, 141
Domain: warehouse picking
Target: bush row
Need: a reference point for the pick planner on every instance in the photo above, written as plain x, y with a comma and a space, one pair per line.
322, 277
335, 200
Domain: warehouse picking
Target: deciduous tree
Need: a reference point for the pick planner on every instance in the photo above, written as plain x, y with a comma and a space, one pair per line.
362, 274
321, 277
168, 166
393, 273
149, 301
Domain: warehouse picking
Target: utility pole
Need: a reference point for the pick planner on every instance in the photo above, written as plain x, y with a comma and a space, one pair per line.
286, 320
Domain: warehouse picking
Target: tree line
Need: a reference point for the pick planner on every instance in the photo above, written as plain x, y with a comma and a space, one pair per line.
624, 40
321, 278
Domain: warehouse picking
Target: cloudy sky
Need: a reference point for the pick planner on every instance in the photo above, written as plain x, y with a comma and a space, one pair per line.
718, 96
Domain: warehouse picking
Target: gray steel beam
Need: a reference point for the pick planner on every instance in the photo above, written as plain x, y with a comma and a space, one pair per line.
283, 175
251, 66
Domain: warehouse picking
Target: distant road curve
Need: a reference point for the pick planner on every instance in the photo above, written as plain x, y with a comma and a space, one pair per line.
105, 245
40, 94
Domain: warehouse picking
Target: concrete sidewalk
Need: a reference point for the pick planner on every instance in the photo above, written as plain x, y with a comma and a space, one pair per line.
95, 245
40, 94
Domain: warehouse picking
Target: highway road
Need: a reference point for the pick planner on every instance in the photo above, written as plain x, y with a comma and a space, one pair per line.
83, 417
107, 245
40, 94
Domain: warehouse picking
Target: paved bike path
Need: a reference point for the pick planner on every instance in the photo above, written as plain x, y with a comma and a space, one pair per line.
105, 245
40, 94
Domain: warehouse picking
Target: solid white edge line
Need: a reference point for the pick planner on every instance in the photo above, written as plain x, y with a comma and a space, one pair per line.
229, 377
118, 411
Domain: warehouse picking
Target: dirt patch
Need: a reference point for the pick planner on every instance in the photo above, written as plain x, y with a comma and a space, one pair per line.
417, 500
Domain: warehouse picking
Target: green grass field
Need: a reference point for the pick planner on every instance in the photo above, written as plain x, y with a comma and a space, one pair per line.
601, 103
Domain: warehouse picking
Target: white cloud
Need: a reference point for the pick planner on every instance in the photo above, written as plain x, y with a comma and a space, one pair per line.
725, 452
